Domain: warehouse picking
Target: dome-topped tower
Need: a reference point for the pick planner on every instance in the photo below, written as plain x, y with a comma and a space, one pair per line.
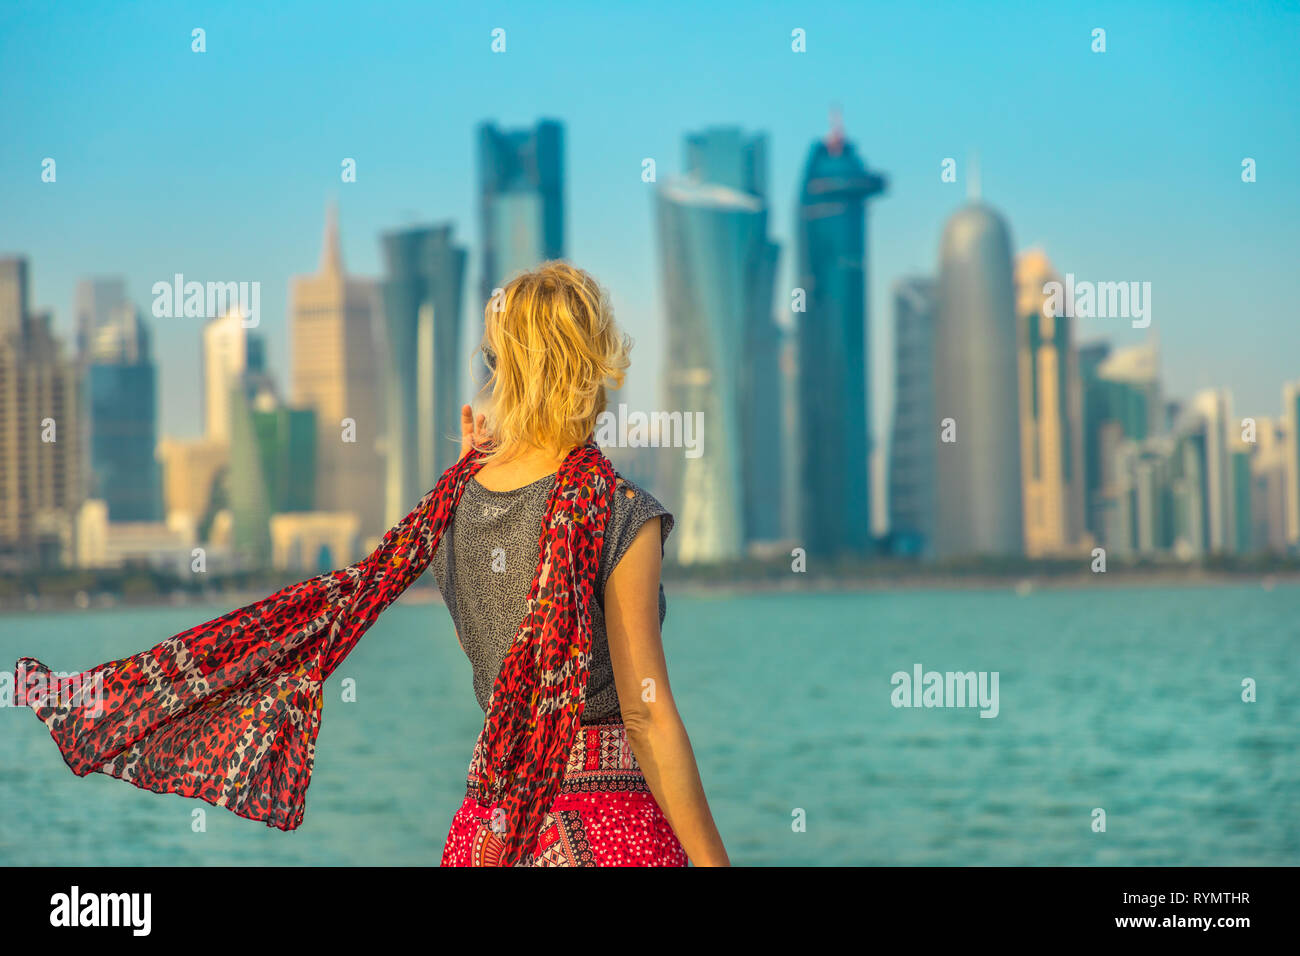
977, 385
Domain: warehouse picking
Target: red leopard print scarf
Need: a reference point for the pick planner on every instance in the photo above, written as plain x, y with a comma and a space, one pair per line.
228, 711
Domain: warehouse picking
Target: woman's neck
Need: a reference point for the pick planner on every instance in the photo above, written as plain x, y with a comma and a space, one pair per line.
522, 467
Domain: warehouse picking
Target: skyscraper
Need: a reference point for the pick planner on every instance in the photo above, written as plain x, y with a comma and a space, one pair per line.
1291, 416
336, 372
273, 457
722, 345
1268, 499
121, 415
977, 388
286, 442
1050, 415
726, 157
13, 296
98, 302
1212, 407
40, 446
1141, 506
1095, 411
1187, 481
225, 359
521, 199
421, 300
916, 429
272, 466
1121, 402
834, 393
791, 500
1242, 531
247, 483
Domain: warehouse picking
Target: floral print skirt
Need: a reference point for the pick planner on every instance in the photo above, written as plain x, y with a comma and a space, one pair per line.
604, 814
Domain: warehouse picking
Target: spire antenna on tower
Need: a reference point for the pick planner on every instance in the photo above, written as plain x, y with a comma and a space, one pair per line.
835, 138
331, 254
973, 178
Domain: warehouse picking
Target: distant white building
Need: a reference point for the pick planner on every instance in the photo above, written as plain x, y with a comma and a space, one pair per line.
315, 541
225, 359
1268, 504
1214, 407
166, 546
1291, 418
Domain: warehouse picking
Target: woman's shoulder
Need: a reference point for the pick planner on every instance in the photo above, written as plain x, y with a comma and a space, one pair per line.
632, 507
632, 500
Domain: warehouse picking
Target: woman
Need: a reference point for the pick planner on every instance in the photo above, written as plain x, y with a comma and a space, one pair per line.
583, 759
551, 346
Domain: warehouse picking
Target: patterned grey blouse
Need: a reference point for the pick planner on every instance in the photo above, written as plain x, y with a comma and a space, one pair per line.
485, 564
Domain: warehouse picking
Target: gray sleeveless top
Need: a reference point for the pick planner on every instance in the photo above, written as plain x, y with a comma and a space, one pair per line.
485, 564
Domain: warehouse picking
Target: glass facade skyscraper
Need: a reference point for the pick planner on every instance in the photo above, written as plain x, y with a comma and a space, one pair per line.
1268, 510
521, 199
251, 483
421, 296
723, 348
916, 429
1187, 484
121, 416
834, 432
1212, 406
1121, 402
98, 301
246, 484
1243, 520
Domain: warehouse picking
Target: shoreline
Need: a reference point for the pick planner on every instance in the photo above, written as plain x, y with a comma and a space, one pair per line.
682, 585
1023, 584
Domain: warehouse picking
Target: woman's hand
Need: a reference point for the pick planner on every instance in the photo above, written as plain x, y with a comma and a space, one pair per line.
472, 431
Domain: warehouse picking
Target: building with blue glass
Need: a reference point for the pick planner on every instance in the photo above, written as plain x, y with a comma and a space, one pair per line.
121, 415
723, 346
521, 199
916, 429
833, 393
421, 294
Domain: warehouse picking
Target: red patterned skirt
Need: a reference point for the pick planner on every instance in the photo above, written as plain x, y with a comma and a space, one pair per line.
604, 814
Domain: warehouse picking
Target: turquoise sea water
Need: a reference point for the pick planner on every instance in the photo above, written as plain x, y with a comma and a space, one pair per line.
1121, 699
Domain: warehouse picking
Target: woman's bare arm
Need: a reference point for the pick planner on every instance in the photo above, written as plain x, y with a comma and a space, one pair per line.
654, 727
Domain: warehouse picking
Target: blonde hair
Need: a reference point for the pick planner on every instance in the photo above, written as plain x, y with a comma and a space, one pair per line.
552, 347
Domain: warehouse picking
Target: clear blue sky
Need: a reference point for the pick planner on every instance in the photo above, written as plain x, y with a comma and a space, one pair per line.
1123, 165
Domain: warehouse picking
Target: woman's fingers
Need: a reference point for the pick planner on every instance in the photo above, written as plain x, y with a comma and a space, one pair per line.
473, 429
466, 429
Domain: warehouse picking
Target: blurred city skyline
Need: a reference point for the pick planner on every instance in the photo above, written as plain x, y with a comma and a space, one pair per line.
221, 171
838, 282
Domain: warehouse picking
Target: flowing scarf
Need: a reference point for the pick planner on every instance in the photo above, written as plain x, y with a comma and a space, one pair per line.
228, 711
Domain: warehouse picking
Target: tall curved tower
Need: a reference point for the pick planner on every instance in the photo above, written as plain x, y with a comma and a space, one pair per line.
976, 380
421, 301
833, 387
719, 266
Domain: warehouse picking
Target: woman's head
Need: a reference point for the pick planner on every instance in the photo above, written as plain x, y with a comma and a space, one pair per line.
552, 347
